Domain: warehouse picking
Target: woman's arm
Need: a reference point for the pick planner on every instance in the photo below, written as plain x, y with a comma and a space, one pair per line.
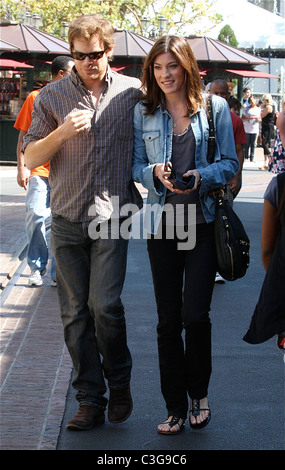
280, 124
269, 232
268, 109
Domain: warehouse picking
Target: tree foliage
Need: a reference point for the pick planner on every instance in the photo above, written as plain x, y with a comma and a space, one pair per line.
182, 15
228, 36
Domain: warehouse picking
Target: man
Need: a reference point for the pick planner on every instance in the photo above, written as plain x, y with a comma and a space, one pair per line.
246, 93
37, 186
220, 87
84, 126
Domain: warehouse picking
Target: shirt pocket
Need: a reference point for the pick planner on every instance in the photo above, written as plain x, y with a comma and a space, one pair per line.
152, 145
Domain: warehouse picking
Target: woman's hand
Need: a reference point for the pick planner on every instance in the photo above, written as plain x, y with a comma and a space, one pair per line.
162, 172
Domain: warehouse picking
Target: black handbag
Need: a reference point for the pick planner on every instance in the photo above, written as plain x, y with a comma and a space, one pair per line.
232, 242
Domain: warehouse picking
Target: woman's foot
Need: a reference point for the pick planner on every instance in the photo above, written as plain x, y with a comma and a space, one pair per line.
200, 413
173, 425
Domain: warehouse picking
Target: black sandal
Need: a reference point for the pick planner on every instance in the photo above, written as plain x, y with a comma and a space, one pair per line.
173, 421
195, 410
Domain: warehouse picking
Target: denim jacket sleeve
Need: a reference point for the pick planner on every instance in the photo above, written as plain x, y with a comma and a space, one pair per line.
225, 164
148, 150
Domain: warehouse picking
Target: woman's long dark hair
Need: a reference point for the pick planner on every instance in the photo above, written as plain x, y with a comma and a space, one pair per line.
181, 50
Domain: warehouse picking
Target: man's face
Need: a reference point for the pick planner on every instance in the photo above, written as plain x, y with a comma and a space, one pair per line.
91, 70
68, 68
220, 89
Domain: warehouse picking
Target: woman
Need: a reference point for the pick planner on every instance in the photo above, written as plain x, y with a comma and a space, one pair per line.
276, 162
269, 314
251, 119
267, 127
171, 131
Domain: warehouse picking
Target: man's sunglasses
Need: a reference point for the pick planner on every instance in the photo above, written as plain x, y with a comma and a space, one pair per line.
91, 55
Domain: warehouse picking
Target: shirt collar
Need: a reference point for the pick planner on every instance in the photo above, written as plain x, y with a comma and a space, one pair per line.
78, 82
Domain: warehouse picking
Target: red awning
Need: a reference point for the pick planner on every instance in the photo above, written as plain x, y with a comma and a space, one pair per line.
252, 73
13, 64
119, 67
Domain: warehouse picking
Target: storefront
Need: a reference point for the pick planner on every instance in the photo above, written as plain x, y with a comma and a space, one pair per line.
13, 92
25, 57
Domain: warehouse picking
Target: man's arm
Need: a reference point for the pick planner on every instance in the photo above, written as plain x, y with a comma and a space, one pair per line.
236, 181
22, 176
41, 151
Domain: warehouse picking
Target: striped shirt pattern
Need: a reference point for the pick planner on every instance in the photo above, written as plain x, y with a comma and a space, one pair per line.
94, 166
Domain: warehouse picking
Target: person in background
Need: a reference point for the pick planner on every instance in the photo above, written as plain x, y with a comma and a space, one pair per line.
267, 127
251, 119
83, 125
220, 88
37, 185
276, 163
246, 93
170, 132
268, 318
234, 105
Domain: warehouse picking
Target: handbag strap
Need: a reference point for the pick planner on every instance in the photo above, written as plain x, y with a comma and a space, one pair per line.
212, 137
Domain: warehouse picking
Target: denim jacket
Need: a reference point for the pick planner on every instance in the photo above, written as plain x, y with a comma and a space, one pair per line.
153, 144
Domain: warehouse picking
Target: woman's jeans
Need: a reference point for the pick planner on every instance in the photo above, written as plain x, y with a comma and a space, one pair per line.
250, 144
37, 212
90, 278
183, 284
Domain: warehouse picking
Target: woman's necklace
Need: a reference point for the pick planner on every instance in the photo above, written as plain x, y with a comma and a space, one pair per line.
174, 123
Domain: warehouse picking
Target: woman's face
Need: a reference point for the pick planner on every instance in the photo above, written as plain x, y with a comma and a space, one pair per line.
169, 74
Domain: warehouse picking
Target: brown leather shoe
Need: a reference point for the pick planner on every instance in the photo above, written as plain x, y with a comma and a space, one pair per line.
86, 417
120, 405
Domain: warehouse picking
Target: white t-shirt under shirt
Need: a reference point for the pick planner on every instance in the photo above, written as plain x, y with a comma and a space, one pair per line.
251, 126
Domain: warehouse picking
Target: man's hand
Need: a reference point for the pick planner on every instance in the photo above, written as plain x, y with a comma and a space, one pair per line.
76, 121
22, 177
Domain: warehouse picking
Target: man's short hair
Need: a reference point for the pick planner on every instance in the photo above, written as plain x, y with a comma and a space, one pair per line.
88, 26
60, 63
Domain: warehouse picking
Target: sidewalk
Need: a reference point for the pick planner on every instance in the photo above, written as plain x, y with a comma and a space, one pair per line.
36, 368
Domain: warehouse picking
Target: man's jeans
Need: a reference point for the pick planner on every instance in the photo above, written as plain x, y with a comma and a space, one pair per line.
37, 212
90, 278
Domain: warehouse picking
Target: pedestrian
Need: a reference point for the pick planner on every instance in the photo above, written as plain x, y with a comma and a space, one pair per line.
268, 318
246, 93
235, 105
220, 88
251, 119
171, 129
267, 127
84, 125
37, 185
276, 163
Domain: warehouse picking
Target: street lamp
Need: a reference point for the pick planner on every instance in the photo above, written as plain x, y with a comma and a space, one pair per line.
149, 28
145, 23
162, 23
36, 20
64, 29
28, 19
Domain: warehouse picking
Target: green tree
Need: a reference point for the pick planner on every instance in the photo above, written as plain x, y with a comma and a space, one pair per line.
123, 14
228, 36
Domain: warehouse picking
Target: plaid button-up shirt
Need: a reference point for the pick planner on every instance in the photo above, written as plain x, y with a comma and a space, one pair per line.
94, 166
